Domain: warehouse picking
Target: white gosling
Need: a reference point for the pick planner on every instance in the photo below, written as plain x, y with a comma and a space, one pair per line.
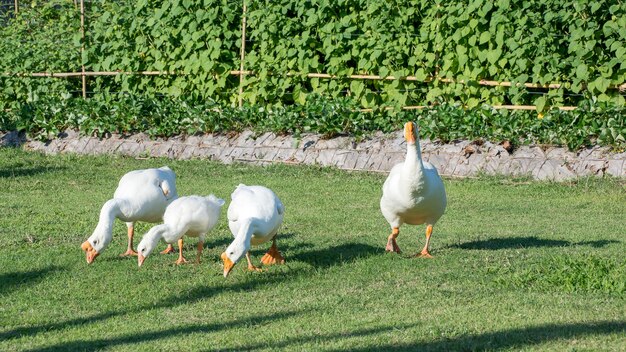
141, 195
193, 216
254, 216
413, 193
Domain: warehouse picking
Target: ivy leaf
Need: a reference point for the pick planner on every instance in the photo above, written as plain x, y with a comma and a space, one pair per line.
356, 87
540, 104
368, 100
595, 6
601, 84
174, 91
301, 98
493, 55
484, 37
106, 64
582, 72
420, 74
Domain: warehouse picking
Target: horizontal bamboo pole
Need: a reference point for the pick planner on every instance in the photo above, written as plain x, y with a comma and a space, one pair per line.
482, 82
497, 107
530, 107
417, 107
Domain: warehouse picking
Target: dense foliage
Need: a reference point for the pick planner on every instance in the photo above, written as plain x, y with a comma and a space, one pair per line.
579, 44
576, 42
161, 117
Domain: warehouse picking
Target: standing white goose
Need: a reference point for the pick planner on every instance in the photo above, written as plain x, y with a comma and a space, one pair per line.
141, 195
254, 216
193, 216
413, 193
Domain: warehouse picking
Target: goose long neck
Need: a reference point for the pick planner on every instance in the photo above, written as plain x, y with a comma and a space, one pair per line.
413, 162
109, 212
244, 235
155, 235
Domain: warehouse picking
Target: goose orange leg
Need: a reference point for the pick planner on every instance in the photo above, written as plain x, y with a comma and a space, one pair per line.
181, 259
425, 253
273, 256
130, 251
200, 248
169, 249
251, 266
392, 246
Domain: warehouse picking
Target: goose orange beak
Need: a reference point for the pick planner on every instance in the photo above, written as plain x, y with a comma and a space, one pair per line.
409, 132
228, 264
90, 252
140, 259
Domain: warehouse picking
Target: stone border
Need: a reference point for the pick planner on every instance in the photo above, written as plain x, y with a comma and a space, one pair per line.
378, 153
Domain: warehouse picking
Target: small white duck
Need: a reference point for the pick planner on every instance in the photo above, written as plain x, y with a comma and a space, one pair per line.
141, 195
254, 216
413, 193
193, 216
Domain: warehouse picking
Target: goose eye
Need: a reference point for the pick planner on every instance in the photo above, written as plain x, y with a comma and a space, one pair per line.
95, 242
231, 253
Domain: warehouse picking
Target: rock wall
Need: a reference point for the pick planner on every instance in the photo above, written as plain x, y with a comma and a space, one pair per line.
378, 153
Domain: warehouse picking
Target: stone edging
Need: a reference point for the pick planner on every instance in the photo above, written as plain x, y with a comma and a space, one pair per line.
378, 153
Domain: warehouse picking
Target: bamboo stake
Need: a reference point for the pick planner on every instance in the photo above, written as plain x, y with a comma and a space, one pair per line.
242, 53
17, 6
82, 47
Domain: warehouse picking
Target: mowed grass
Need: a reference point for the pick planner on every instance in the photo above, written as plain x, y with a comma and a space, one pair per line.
518, 265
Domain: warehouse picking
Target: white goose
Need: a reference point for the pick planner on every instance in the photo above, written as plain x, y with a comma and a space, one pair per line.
193, 216
413, 193
254, 216
141, 195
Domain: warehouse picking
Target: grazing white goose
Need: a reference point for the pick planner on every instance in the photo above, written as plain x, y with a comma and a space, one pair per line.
413, 193
254, 216
193, 216
141, 195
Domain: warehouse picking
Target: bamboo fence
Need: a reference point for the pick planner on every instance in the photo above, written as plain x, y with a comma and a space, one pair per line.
242, 72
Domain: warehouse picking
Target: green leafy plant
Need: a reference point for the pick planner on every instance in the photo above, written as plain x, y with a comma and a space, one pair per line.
573, 42
196, 44
164, 117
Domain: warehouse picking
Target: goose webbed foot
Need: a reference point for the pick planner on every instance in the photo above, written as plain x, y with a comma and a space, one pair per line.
423, 254
129, 253
181, 260
273, 256
168, 250
251, 266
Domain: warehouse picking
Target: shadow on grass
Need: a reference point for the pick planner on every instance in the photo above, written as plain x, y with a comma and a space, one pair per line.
194, 295
510, 339
30, 171
13, 280
128, 339
347, 253
322, 338
338, 255
526, 242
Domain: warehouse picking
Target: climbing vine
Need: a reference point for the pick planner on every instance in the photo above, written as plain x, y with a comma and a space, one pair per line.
445, 47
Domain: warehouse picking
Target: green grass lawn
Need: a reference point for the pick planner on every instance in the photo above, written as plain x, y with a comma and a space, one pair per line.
518, 265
